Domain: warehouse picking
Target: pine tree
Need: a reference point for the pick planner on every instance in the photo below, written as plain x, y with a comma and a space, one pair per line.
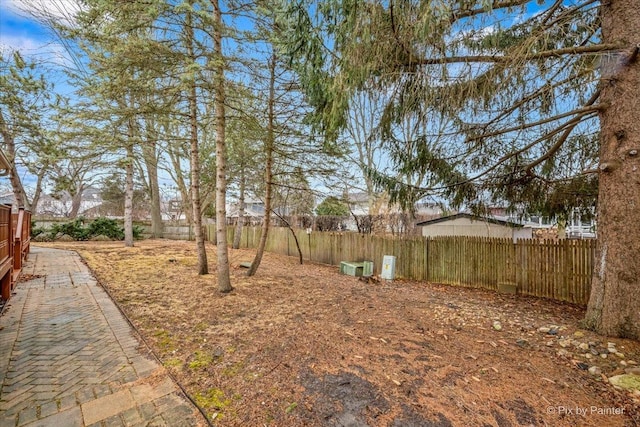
508, 97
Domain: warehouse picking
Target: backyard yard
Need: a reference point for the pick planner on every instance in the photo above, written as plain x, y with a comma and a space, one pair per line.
301, 345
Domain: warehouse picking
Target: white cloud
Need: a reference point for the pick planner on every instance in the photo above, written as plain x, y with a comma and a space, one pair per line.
35, 41
62, 11
42, 52
21, 44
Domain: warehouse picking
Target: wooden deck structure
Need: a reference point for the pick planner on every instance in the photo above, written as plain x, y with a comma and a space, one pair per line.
15, 242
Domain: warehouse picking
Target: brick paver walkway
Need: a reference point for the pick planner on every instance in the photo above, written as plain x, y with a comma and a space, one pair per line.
69, 358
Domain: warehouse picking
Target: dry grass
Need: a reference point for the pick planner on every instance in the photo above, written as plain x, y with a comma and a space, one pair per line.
303, 345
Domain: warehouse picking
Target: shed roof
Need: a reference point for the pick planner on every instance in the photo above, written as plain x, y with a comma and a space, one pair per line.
471, 217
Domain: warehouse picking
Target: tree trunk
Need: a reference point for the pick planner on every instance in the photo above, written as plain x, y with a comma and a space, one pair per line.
151, 163
76, 202
224, 281
293, 233
38, 192
128, 194
16, 183
203, 268
240, 224
268, 173
614, 305
185, 196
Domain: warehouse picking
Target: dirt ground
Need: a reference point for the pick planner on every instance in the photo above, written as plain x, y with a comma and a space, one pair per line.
305, 346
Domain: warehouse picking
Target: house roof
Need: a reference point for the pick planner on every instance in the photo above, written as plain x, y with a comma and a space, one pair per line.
359, 197
471, 217
5, 165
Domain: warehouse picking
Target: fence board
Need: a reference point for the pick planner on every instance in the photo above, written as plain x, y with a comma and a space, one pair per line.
558, 270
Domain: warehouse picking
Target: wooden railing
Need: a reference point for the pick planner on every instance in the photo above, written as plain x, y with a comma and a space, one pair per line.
15, 242
6, 251
22, 239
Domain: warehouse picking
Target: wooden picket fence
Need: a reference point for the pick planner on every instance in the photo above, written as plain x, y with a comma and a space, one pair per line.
560, 270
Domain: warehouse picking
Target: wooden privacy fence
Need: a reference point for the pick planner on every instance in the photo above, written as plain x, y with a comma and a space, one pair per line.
559, 270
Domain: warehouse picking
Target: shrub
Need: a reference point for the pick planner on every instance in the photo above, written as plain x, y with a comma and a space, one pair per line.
137, 232
74, 229
36, 231
106, 227
80, 229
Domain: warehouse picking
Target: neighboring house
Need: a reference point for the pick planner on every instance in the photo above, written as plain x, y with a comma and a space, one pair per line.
464, 224
7, 198
172, 210
5, 165
388, 219
61, 206
358, 203
580, 226
253, 212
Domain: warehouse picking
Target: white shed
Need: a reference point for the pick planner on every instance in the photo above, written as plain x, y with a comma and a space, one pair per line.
464, 224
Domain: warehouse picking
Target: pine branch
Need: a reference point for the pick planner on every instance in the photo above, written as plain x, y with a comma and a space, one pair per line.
588, 108
457, 15
500, 59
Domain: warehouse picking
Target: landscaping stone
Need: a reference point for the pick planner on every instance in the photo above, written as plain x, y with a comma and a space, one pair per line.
633, 371
595, 370
626, 382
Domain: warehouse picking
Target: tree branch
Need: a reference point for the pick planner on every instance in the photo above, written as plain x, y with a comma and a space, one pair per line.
498, 59
588, 108
495, 5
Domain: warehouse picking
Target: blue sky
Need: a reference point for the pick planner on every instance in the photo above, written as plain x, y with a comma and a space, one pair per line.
21, 32
17, 31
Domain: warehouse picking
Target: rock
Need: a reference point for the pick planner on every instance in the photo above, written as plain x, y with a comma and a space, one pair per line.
563, 353
544, 330
549, 343
522, 342
594, 370
620, 355
497, 326
584, 346
101, 238
582, 366
564, 343
633, 371
632, 362
594, 351
626, 382
623, 363
588, 356
578, 334
603, 355
553, 332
